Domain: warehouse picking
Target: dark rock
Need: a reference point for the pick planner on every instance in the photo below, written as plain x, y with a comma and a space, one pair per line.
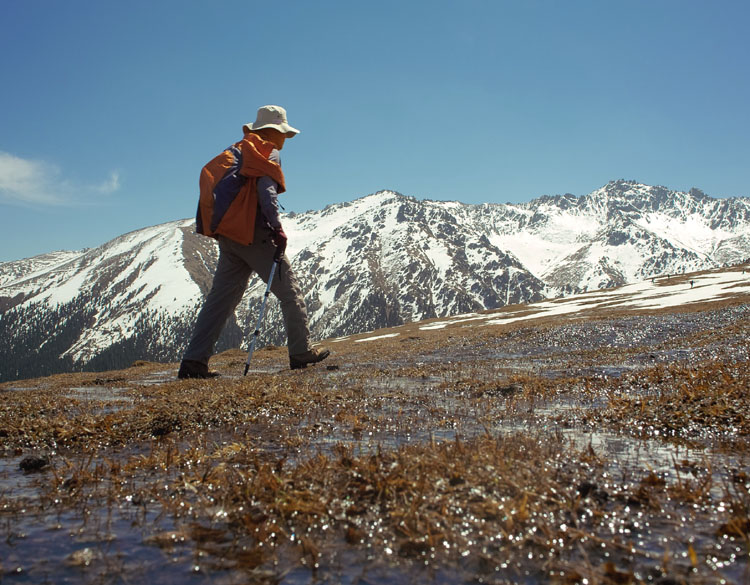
32, 463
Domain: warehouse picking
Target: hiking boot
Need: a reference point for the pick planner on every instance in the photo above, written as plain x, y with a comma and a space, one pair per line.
311, 356
193, 369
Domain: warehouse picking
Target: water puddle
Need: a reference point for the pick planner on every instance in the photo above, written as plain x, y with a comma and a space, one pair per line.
99, 394
156, 378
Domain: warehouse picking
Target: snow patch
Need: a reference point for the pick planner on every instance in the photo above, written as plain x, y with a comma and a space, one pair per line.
377, 337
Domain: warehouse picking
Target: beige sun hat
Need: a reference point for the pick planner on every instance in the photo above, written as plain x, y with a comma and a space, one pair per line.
271, 117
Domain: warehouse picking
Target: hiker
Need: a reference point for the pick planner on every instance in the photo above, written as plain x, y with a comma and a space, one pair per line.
238, 206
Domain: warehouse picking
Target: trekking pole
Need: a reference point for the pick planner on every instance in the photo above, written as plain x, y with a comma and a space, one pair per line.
276, 262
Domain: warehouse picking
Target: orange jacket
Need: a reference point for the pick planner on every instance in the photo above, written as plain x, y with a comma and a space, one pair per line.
229, 199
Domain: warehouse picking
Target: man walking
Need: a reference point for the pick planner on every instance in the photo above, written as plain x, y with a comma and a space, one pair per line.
238, 206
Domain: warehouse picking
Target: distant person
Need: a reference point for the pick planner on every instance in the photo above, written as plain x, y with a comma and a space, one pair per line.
238, 206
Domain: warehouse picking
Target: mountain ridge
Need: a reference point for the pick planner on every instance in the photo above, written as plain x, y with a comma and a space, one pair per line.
380, 260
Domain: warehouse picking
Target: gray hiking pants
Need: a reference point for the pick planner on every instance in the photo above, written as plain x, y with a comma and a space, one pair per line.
236, 264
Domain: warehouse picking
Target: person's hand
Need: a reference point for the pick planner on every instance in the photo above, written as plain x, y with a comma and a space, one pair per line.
279, 240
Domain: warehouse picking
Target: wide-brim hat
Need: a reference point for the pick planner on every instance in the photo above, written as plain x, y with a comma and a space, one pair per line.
271, 117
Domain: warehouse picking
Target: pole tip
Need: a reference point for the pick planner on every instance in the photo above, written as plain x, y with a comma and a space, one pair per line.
247, 367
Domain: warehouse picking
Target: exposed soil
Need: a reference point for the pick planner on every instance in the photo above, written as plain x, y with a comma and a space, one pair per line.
607, 448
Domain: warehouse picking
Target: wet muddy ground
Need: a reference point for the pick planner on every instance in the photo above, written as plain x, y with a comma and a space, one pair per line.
609, 449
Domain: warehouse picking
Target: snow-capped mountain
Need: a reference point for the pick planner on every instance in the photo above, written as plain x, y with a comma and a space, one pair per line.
381, 260
623, 232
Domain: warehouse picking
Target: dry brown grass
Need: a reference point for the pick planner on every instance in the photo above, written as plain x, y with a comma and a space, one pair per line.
529, 452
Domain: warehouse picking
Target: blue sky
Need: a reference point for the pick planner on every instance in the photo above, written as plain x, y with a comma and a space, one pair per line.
109, 110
